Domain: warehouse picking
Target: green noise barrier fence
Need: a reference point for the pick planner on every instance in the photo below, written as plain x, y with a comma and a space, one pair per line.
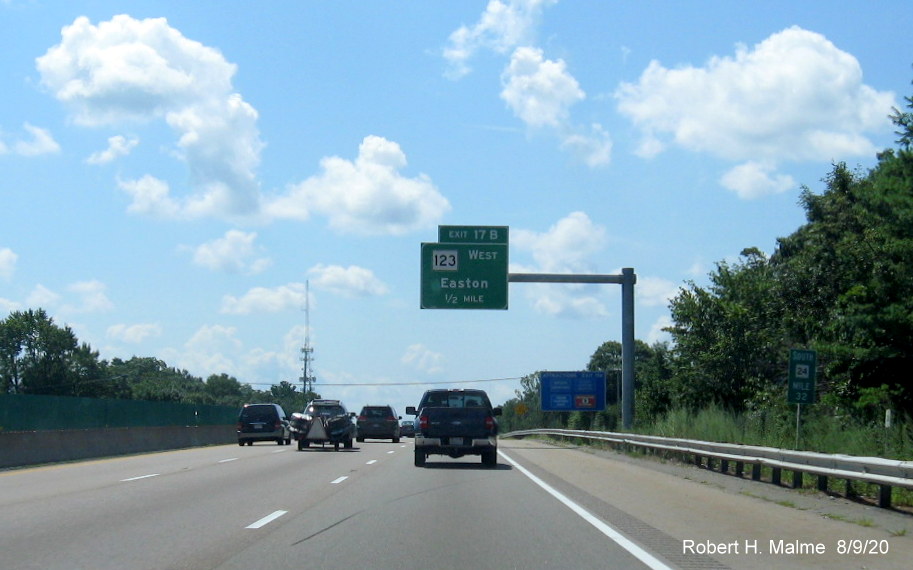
24, 412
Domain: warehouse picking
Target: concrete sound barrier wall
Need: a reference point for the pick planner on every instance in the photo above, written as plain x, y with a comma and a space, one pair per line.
23, 448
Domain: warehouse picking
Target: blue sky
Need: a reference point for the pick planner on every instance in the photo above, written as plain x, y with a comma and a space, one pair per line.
175, 175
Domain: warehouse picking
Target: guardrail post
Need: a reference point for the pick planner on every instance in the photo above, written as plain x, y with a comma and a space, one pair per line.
755, 471
775, 476
822, 483
724, 466
739, 469
797, 479
884, 496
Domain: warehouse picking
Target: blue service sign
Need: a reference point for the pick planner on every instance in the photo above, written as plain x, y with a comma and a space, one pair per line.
581, 391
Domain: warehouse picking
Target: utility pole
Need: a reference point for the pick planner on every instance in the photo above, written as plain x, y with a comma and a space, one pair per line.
307, 351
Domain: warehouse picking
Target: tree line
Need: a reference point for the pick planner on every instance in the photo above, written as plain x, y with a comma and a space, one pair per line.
841, 284
39, 357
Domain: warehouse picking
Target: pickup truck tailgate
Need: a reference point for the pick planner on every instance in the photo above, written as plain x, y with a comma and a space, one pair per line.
456, 422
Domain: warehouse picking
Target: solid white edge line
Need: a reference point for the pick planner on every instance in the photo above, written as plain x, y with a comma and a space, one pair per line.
601, 526
372, 462
339, 480
266, 520
140, 477
228, 460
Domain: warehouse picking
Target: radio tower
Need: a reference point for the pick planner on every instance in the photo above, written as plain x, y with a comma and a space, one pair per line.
307, 351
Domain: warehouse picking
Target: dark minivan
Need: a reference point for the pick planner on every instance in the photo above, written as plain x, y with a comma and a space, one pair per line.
263, 422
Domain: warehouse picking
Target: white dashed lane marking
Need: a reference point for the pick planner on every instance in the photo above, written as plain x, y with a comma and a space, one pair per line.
140, 477
267, 519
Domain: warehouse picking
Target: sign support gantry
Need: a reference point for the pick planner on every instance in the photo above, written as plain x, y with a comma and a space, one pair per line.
467, 268
627, 279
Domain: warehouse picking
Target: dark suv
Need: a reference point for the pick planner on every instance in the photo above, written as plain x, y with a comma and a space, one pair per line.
263, 422
378, 422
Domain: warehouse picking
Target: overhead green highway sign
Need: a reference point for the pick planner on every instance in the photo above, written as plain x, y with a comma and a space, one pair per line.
466, 269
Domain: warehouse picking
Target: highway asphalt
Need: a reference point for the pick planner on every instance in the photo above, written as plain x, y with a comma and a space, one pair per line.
270, 506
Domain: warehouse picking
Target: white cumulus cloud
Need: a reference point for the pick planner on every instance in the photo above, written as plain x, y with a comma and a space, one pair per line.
118, 146
567, 247
755, 179
422, 358
151, 197
655, 291
126, 70
537, 90
794, 96
8, 260
92, 296
40, 142
133, 334
235, 252
367, 196
43, 297
352, 281
266, 300
502, 26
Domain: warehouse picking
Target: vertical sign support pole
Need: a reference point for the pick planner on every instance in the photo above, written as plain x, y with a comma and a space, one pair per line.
627, 279
627, 347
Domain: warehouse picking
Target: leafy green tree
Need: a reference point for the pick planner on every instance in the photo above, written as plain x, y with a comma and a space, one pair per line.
850, 271
652, 374
12, 337
148, 378
728, 341
654, 392
287, 395
88, 374
224, 390
36, 354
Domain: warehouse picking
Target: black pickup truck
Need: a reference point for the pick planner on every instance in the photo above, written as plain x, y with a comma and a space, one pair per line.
456, 423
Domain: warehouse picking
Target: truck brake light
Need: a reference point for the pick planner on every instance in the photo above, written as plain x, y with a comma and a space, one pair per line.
423, 422
489, 423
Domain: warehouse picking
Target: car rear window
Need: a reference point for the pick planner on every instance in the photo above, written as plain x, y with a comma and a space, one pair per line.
327, 411
377, 413
458, 400
258, 414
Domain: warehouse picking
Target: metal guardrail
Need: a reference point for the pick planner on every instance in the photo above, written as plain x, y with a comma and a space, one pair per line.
886, 473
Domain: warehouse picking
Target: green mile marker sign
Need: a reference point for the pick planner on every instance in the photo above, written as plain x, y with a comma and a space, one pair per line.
802, 370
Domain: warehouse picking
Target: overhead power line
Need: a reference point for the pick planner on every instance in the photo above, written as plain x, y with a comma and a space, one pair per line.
400, 383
